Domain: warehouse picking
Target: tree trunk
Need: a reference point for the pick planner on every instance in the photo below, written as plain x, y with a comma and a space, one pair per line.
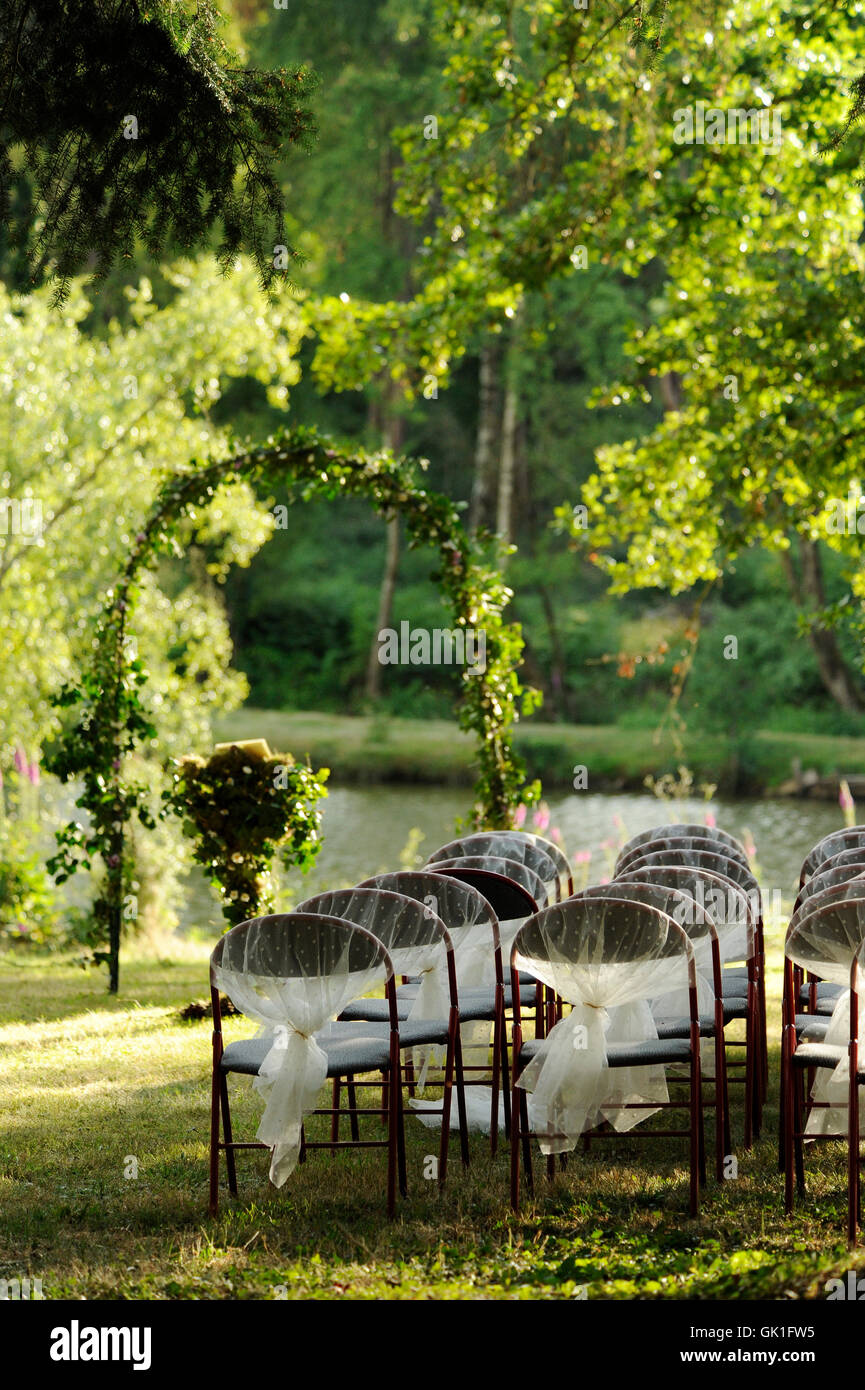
809, 592
479, 506
507, 457
393, 432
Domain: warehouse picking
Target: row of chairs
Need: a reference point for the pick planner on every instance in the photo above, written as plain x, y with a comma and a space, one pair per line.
824, 955
431, 927
655, 967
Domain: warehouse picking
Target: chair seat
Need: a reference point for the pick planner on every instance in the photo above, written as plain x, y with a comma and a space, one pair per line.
812, 1027
424, 1031
345, 1055
827, 996
681, 1027
734, 979
476, 1005
817, 1054
638, 1054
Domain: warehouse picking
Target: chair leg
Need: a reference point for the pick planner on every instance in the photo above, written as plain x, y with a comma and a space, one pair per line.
749, 1077
696, 1158
782, 1104
391, 1119
788, 1136
226, 1129
722, 1118
527, 1142
496, 1087
853, 1162
336, 1094
352, 1104
506, 1077
515, 1138
214, 1140
461, 1099
798, 1132
396, 1087
447, 1096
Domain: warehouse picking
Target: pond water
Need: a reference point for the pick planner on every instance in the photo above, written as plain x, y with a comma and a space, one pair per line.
367, 828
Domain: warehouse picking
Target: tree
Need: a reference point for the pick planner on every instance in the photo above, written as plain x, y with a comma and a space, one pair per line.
762, 326
136, 123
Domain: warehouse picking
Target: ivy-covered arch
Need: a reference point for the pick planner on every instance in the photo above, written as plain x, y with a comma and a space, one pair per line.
108, 719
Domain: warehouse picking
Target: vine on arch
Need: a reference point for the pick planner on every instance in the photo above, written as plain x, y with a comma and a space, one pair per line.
109, 719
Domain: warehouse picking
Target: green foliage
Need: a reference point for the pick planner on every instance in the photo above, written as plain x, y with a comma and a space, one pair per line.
109, 720
241, 808
29, 909
200, 153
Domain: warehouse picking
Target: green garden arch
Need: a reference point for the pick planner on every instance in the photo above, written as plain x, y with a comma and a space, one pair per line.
108, 719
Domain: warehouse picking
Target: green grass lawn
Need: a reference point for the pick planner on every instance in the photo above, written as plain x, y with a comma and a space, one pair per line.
88, 1083
436, 751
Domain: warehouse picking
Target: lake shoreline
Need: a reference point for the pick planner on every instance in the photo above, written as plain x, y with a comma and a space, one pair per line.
376, 750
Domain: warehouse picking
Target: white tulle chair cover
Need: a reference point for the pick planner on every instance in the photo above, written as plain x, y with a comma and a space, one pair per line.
293, 974
679, 844
676, 830
727, 906
737, 938
417, 942
471, 922
852, 837
843, 869
607, 959
495, 864
501, 846
555, 852
674, 1005
825, 941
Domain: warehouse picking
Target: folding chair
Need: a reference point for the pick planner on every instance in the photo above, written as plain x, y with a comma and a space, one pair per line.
509, 847
729, 910
732, 869
292, 973
671, 1016
418, 943
555, 852
829, 943
606, 958
678, 843
677, 830
852, 837
507, 868
483, 996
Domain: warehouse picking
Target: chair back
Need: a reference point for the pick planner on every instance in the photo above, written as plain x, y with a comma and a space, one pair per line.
468, 916
853, 837
679, 843
508, 847
677, 830
506, 868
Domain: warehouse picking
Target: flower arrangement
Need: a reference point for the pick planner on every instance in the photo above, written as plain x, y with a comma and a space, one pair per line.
241, 807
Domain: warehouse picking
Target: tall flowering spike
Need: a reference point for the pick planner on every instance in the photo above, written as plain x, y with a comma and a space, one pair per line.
541, 817
520, 816
556, 835
20, 761
847, 804
582, 856
710, 820
33, 771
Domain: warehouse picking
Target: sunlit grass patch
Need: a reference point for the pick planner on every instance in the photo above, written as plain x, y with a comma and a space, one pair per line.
88, 1084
